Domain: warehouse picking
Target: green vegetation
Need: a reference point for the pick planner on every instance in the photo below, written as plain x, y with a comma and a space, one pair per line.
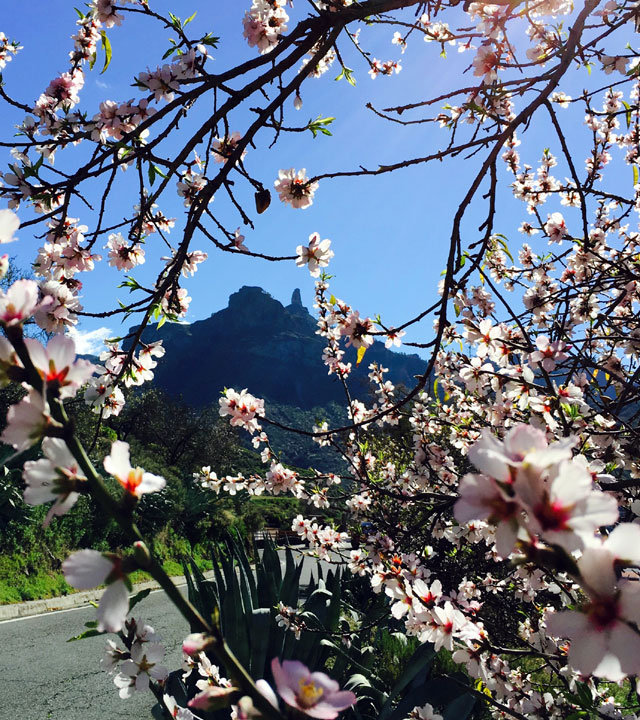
167, 438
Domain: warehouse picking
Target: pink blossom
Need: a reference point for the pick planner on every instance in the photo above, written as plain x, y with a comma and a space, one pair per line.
104, 397
195, 643
223, 147
294, 188
394, 338
243, 408
563, 506
556, 228
264, 23
58, 308
280, 479
356, 330
175, 302
122, 255
238, 241
521, 444
314, 694
107, 14
175, 711
481, 498
211, 696
602, 643
485, 64
548, 353
19, 302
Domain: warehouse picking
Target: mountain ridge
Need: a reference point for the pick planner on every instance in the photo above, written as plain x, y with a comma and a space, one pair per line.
271, 349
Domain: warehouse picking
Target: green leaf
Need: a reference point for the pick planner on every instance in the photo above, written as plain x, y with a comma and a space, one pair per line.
189, 19
80, 14
259, 638
106, 45
460, 708
419, 662
92, 632
635, 175
138, 597
320, 125
347, 74
210, 39
628, 113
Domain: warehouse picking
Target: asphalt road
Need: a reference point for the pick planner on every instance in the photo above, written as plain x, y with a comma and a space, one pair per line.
43, 677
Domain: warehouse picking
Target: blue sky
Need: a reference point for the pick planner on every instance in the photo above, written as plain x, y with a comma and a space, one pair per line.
390, 233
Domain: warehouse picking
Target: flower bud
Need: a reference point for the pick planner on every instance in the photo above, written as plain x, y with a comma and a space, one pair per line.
195, 643
141, 554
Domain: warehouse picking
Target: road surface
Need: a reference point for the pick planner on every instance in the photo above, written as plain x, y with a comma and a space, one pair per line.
43, 677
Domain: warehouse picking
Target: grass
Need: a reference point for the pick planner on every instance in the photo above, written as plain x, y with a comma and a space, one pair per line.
18, 583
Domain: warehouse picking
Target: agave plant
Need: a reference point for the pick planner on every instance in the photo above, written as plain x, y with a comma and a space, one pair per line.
244, 601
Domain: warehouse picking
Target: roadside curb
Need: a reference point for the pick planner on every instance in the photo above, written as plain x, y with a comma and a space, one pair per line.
76, 600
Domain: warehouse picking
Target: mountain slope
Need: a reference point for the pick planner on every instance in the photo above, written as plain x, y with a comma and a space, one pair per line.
259, 344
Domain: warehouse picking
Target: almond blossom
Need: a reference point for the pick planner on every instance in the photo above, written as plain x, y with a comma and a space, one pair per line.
548, 354
243, 408
602, 642
316, 255
143, 666
175, 711
58, 367
19, 302
58, 308
134, 480
264, 23
294, 188
356, 330
562, 506
482, 498
223, 147
104, 397
9, 224
313, 694
556, 228
86, 569
27, 421
122, 255
56, 477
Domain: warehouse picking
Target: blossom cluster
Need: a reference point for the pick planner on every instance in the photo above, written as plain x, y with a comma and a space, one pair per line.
264, 23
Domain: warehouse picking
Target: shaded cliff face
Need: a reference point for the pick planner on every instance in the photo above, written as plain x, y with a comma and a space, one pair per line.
259, 344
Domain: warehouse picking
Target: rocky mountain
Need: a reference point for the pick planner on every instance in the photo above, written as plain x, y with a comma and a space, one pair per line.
259, 344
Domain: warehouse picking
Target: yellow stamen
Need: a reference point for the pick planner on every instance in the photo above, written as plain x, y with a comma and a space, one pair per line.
309, 693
